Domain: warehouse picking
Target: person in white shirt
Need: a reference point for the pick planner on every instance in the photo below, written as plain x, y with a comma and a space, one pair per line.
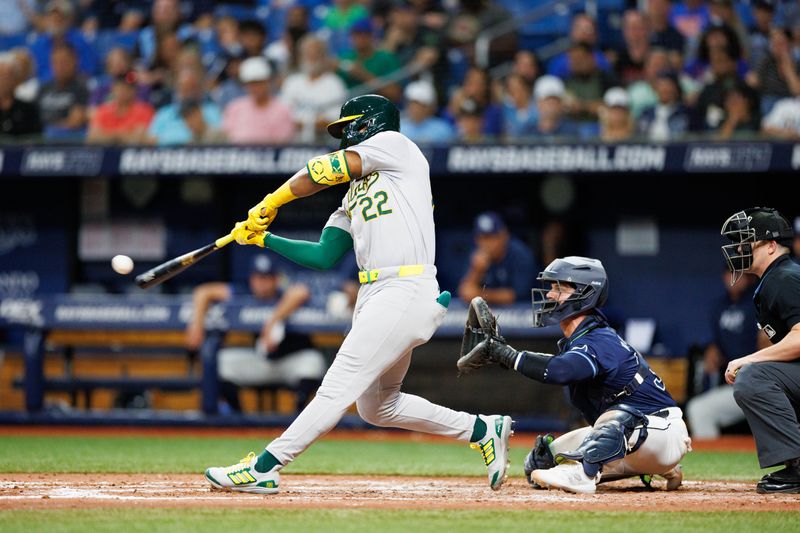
783, 121
314, 93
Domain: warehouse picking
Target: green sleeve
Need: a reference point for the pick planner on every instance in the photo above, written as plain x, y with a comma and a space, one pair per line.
322, 255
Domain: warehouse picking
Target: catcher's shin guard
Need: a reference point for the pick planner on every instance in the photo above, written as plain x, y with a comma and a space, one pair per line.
540, 457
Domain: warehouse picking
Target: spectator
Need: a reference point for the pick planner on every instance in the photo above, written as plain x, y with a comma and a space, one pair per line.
663, 34
501, 269
16, 117
194, 119
118, 63
28, 88
763, 11
526, 64
732, 320
616, 124
519, 110
58, 20
366, 63
165, 19
642, 93
159, 74
582, 30
338, 22
279, 357
228, 87
722, 12
283, 53
550, 94
586, 83
15, 16
716, 37
710, 111
669, 118
477, 88
253, 36
123, 119
470, 119
257, 117
470, 20
777, 76
630, 59
110, 15
419, 48
226, 30
783, 122
314, 94
168, 126
63, 101
742, 113
419, 121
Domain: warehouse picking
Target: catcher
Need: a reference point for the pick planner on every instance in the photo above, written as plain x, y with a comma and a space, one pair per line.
635, 426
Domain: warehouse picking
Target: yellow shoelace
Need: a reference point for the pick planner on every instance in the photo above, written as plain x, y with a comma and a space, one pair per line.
246, 460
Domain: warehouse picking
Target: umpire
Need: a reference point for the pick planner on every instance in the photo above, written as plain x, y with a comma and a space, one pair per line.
766, 383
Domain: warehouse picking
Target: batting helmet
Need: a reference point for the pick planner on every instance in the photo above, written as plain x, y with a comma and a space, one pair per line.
362, 117
587, 276
750, 226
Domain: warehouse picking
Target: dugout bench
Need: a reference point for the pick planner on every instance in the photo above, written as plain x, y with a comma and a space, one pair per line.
158, 322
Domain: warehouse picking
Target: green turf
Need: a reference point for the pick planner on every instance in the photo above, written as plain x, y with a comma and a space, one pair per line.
193, 455
389, 521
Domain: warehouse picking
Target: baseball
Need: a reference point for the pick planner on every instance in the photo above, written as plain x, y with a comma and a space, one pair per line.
122, 264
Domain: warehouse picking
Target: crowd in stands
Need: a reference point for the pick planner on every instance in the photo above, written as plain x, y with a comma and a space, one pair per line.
172, 72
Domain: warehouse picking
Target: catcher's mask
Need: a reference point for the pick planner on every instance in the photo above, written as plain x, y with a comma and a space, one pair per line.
747, 227
588, 285
362, 117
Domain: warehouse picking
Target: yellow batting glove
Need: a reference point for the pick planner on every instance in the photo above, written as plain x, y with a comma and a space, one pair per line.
262, 214
244, 235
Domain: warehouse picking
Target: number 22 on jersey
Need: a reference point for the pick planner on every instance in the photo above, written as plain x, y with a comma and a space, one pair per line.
371, 204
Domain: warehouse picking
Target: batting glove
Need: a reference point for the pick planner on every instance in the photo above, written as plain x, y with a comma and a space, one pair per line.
244, 235
262, 214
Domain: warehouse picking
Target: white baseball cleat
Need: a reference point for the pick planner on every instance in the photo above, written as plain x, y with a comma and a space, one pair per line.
243, 477
674, 477
568, 476
494, 448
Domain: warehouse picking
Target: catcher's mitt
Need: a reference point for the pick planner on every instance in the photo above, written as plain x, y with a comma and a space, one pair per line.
481, 326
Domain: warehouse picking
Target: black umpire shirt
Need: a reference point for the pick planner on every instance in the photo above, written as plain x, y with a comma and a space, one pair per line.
777, 298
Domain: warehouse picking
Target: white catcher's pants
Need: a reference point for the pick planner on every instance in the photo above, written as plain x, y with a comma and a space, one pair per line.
391, 318
666, 444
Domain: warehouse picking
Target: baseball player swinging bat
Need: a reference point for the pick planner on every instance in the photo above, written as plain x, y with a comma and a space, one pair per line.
164, 271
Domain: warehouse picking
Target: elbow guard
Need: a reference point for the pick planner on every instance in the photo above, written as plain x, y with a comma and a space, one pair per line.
533, 365
329, 169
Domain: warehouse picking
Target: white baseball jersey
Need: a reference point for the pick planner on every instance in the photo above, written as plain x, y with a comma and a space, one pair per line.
389, 211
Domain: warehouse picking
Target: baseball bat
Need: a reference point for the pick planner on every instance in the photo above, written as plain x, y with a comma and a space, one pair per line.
173, 267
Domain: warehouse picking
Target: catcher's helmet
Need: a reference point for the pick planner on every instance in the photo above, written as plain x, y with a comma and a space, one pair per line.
362, 117
586, 275
750, 226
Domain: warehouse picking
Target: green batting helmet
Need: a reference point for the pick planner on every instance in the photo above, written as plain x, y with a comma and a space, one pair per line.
362, 117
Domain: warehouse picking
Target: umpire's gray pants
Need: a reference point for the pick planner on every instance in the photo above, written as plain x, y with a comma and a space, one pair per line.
769, 395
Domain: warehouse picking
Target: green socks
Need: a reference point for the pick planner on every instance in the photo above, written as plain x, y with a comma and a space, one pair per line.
266, 461
478, 431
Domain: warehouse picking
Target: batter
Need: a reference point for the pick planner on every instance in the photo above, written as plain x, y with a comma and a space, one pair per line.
387, 216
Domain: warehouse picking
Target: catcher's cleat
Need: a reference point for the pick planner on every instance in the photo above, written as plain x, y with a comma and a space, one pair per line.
243, 477
539, 458
494, 448
568, 476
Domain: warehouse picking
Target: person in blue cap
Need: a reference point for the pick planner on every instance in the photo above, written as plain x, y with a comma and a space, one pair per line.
502, 267
277, 357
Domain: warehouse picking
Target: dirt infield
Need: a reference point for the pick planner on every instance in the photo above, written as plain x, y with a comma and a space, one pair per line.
87, 491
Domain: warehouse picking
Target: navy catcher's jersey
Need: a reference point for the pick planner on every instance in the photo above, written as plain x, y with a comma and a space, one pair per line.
613, 367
